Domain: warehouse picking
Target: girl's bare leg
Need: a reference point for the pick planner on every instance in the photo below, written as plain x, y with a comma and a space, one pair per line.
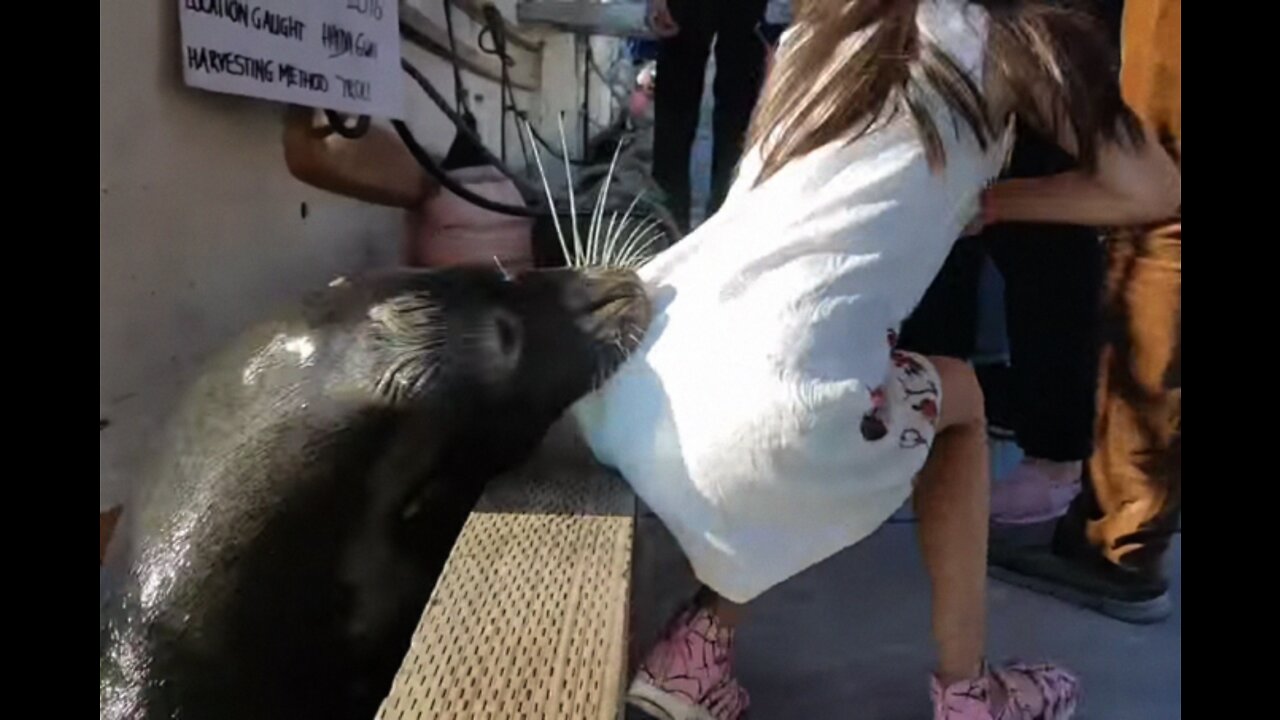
951, 502
728, 613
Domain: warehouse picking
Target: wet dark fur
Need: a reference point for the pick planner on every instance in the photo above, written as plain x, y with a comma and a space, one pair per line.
315, 478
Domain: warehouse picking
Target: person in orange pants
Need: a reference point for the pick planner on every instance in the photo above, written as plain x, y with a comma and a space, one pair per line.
1108, 551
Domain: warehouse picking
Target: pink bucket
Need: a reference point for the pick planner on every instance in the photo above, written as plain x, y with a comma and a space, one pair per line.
448, 230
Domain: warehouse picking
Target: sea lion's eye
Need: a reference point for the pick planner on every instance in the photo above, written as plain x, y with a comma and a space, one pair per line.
509, 334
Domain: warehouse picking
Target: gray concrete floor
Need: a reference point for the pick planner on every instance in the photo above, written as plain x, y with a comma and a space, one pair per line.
850, 639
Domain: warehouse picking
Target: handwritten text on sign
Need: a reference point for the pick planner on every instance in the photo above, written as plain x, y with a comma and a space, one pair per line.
336, 54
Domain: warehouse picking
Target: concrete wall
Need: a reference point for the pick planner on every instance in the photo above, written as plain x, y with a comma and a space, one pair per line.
202, 230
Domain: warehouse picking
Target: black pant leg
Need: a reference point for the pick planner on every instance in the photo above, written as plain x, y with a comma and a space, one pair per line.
682, 63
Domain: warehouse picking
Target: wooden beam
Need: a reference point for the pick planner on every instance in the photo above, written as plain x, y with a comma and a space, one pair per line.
417, 28
616, 19
529, 618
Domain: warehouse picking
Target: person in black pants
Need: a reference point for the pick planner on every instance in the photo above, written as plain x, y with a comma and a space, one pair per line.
1053, 284
1108, 552
687, 29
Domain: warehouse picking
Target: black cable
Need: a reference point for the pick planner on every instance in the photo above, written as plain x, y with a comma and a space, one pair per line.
586, 95
524, 146
459, 91
494, 30
507, 101
460, 123
434, 170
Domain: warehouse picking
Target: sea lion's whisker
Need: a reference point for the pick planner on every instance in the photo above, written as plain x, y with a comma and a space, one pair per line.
641, 229
621, 250
626, 232
641, 250
644, 230
551, 202
646, 241
501, 269
573, 207
593, 232
626, 224
608, 246
627, 219
627, 215
611, 241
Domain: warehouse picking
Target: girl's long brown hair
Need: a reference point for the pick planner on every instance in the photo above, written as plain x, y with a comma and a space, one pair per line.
850, 64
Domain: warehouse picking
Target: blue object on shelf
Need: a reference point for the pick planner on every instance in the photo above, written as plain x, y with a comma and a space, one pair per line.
642, 50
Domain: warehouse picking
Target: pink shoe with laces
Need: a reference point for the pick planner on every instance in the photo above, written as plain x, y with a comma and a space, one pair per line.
1013, 692
689, 674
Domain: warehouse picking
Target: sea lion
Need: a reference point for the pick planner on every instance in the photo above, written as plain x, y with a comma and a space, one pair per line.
318, 473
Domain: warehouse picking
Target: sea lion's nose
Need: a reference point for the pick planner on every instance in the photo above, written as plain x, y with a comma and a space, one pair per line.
608, 287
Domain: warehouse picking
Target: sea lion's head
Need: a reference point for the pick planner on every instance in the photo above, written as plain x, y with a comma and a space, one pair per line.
548, 337
363, 432
513, 351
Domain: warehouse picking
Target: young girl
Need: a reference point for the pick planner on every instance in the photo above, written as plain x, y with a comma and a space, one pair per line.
768, 419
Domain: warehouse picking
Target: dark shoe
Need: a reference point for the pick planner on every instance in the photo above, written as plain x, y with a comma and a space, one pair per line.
1089, 583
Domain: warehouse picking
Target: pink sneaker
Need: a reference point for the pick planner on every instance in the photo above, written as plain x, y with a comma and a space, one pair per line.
689, 675
1014, 692
1036, 491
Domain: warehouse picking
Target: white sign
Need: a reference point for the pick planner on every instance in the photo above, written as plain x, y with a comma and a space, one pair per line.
334, 54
